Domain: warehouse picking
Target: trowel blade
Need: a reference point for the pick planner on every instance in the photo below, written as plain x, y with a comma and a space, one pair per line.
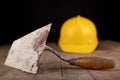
25, 51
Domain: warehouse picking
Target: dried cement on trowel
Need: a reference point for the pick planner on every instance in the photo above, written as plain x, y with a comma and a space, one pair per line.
25, 51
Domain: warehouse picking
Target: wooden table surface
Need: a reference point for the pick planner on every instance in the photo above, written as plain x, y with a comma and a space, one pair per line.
52, 68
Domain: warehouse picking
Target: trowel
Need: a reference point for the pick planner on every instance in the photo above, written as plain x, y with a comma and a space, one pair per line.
25, 52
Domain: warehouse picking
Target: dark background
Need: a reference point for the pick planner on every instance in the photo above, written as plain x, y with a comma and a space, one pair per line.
23, 16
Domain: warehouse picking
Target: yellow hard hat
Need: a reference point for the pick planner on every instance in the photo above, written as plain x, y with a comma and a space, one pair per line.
78, 35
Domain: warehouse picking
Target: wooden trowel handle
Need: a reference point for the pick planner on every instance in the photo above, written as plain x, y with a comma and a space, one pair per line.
86, 62
96, 63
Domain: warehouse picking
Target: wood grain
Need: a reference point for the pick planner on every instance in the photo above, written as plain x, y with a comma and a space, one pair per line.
52, 68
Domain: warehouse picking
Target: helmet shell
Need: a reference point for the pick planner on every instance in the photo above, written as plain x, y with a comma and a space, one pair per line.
78, 35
